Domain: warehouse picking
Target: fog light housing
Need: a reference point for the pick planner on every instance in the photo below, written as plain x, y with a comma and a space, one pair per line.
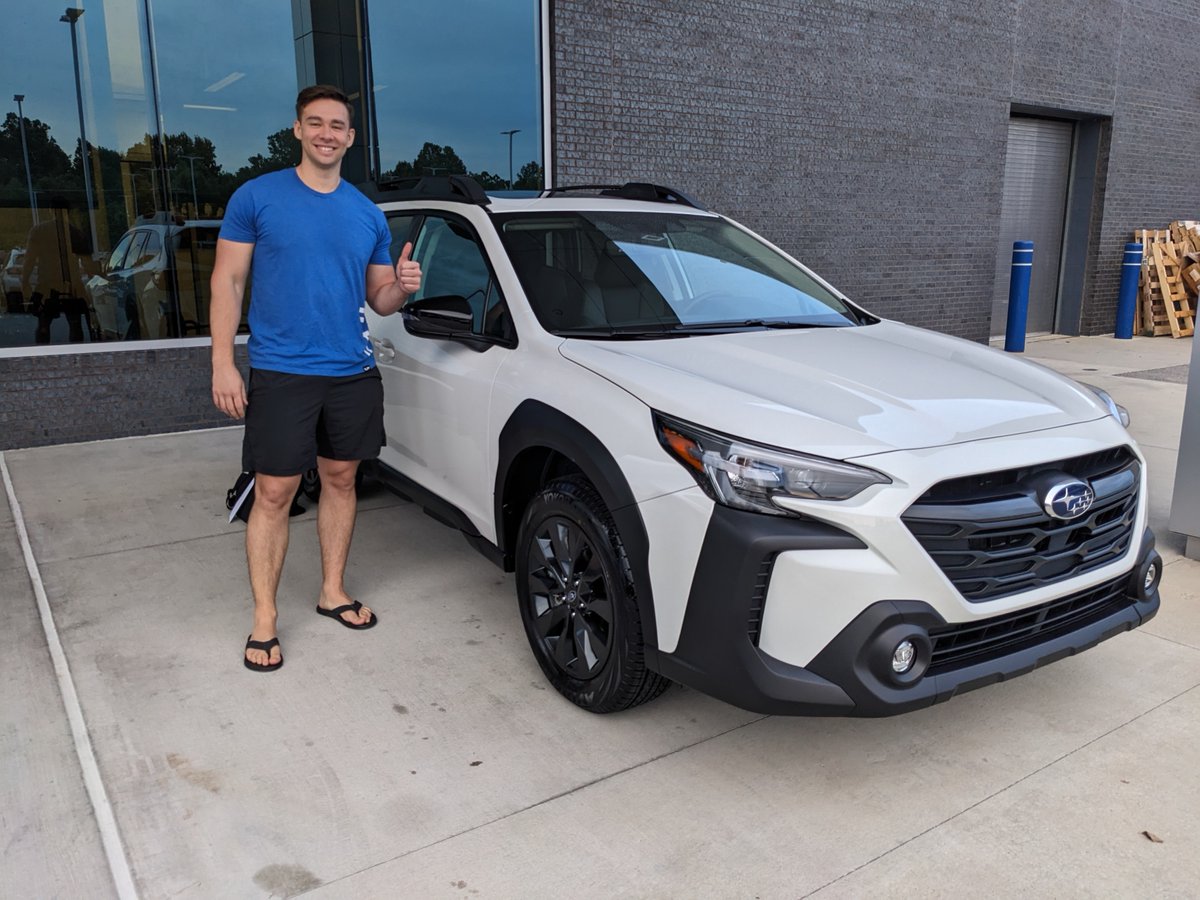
1143, 581
903, 657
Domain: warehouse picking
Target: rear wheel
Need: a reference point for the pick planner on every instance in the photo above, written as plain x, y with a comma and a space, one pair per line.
578, 602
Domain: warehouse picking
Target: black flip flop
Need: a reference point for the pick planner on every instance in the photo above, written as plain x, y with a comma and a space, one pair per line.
265, 646
349, 607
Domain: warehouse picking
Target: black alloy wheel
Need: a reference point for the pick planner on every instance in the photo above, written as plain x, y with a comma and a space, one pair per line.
578, 603
568, 589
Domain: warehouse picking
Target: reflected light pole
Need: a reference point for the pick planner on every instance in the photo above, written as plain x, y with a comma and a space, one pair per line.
510, 134
71, 16
25, 152
192, 165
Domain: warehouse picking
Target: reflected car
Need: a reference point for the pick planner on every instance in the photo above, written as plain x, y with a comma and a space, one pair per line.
155, 283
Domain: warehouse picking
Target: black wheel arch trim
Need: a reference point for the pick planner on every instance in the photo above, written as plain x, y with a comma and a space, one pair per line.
534, 424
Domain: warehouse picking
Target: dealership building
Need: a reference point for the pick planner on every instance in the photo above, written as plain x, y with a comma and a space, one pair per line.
896, 148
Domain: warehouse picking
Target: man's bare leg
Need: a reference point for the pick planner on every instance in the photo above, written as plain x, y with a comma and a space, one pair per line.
266, 547
335, 527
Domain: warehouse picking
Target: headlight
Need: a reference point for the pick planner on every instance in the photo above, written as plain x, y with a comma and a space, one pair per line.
748, 476
1116, 410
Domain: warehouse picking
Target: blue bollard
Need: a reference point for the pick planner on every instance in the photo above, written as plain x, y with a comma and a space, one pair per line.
1131, 268
1018, 296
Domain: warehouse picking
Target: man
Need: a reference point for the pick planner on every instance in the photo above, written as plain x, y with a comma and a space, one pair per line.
317, 250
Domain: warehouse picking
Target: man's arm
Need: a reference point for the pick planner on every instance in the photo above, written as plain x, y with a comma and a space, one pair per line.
388, 288
230, 271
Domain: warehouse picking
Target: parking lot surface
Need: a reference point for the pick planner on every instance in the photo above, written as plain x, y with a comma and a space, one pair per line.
429, 758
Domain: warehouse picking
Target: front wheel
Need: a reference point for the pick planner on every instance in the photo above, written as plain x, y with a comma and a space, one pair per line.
578, 603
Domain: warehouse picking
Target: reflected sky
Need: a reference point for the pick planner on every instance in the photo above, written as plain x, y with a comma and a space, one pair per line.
457, 72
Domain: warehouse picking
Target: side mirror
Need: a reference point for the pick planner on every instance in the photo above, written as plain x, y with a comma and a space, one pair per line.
447, 316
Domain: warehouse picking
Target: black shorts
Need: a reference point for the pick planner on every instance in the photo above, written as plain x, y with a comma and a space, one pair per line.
293, 419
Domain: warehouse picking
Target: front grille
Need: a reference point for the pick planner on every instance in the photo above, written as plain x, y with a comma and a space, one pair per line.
991, 537
758, 599
955, 646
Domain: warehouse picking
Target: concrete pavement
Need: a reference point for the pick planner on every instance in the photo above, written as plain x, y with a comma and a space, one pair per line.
428, 757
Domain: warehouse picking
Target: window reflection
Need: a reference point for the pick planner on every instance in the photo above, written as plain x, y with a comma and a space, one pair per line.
456, 87
134, 262
108, 232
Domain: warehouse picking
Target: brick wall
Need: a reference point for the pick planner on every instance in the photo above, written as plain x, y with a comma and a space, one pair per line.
88, 396
867, 137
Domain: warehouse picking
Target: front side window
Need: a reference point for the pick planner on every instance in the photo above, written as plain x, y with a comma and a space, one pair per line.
624, 273
454, 264
116, 259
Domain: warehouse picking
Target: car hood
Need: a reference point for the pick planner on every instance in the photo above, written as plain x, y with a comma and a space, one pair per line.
841, 392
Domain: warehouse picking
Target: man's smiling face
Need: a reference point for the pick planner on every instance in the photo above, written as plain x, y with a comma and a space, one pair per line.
324, 132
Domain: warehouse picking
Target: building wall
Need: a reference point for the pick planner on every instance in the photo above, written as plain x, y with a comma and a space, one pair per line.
867, 137
71, 397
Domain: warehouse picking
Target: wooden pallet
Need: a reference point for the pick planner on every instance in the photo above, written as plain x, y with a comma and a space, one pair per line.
1187, 233
1153, 319
1168, 299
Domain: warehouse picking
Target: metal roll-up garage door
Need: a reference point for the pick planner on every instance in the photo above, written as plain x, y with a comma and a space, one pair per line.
1037, 169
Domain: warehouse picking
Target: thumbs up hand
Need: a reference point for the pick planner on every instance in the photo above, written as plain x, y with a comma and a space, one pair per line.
408, 271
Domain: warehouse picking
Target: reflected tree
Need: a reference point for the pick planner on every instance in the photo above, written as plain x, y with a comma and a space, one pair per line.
283, 152
443, 160
531, 177
431, 160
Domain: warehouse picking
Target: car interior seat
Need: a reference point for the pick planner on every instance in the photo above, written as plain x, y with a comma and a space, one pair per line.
628, 295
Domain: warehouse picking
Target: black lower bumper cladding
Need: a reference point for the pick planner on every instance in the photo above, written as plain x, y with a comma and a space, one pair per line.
853, 675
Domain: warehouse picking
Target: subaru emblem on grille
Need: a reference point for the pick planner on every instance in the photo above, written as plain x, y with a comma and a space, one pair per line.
1068, 500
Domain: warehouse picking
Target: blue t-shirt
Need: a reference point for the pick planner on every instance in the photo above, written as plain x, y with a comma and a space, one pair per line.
308, 273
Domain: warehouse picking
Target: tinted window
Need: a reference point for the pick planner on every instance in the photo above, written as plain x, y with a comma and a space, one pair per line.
149, 249
117, 258
453, 263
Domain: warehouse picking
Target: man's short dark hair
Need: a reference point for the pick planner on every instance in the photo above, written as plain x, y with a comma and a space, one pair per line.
322, 92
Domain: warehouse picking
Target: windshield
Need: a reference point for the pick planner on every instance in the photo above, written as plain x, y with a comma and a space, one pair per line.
660, 274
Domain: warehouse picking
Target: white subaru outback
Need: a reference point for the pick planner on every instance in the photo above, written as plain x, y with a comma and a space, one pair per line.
706, 465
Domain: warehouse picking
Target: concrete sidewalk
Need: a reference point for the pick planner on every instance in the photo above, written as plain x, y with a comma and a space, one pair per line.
429, 758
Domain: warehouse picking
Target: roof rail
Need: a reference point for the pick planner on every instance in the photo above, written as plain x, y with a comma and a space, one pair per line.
460, 188
632, 190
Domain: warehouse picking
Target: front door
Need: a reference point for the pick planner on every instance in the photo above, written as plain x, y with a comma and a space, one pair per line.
437, 392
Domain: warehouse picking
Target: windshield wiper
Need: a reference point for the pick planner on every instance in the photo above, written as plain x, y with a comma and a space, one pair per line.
755, 323
620, 334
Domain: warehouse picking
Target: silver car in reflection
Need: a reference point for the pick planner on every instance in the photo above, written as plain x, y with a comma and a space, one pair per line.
155, 282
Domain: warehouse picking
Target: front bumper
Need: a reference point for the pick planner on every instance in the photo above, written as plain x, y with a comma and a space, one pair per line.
717, 651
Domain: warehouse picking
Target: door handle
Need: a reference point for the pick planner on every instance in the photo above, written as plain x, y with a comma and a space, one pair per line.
384, 348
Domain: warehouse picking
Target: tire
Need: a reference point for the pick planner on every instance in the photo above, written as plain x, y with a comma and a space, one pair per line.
577, 600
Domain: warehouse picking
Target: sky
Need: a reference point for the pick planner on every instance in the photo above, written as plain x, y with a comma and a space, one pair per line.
454, 72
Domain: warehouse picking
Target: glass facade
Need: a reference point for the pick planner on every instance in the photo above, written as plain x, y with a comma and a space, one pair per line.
132, 122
